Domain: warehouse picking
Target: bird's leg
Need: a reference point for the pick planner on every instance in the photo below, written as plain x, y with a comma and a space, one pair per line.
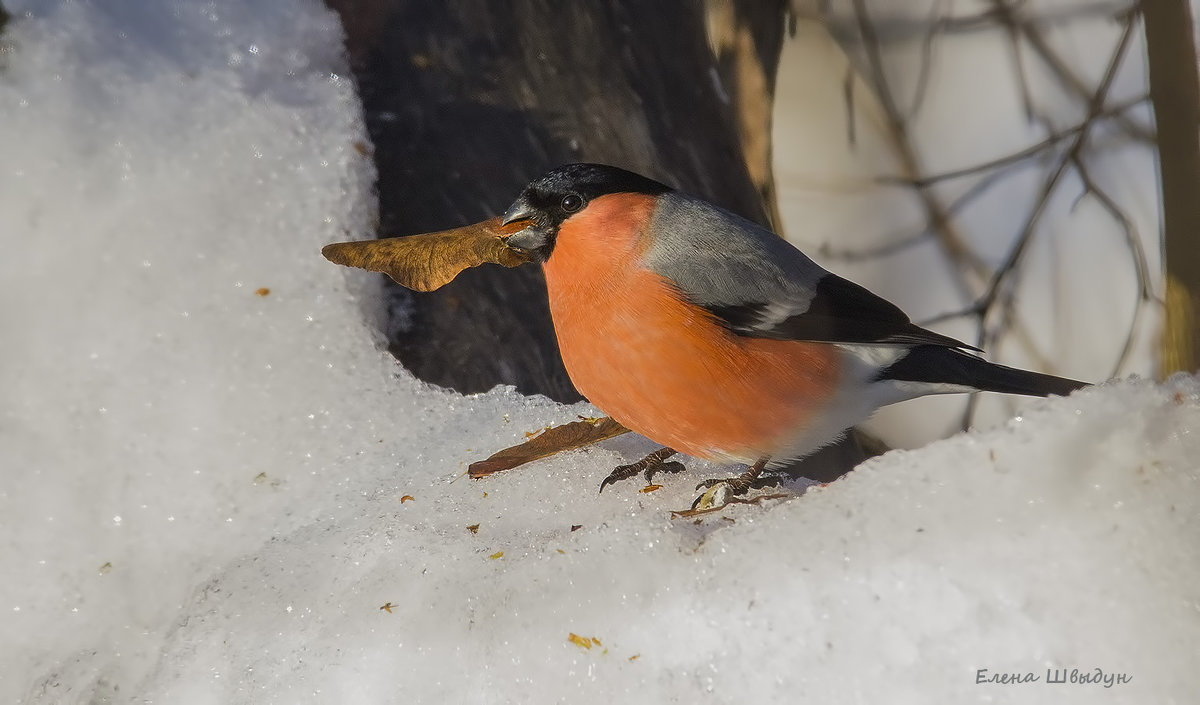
672, 467
741, 483
650, 464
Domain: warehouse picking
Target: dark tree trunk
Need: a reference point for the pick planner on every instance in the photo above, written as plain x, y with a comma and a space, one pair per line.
468, 100
1175, 91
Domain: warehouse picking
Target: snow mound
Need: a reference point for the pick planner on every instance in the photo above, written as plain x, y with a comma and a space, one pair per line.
1067, 539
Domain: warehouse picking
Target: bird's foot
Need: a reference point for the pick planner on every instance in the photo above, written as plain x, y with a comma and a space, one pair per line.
651, 464
717, 491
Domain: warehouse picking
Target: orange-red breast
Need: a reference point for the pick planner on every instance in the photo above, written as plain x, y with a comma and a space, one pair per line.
713, 336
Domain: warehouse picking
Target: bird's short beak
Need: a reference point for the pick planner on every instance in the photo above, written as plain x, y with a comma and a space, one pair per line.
519, 210
532, 239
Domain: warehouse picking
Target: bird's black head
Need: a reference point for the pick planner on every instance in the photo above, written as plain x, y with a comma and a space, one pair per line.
563, 192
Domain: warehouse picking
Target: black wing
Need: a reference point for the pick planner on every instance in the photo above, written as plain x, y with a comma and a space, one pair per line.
840, 312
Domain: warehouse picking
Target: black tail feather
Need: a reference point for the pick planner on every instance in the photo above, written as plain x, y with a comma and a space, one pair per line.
941, 365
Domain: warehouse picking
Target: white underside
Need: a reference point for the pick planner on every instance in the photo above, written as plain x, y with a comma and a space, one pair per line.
858, 396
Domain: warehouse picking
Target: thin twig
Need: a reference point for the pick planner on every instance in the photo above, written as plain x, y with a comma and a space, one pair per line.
936, 22
1141, 266
951, 241
1096, 107
1031, 151
1061, 70
905, 242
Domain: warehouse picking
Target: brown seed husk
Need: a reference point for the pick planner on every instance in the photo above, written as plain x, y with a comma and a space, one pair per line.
432, 260
554, 440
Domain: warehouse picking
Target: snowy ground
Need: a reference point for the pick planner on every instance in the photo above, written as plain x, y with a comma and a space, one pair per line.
206, 454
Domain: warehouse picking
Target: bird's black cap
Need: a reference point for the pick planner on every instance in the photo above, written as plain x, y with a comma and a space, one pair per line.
564, 191
542, 201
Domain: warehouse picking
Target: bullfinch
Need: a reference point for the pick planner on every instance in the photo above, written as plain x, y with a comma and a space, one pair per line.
714, 337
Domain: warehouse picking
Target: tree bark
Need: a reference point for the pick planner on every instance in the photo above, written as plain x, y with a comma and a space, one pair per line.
1175, 92
468, 100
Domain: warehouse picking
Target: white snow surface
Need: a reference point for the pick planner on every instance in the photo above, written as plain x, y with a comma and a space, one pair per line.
203, 487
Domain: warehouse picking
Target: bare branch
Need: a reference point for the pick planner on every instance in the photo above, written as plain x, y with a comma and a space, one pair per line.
1136, 250
951, 241
1061, 70
936, 22
1033, 150
1096, 107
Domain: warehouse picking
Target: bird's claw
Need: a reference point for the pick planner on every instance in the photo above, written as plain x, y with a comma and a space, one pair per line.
621, 472
736, 485
717, 491
650, 464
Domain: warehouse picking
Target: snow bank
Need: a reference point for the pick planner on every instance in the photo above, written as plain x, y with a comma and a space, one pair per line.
219, 489
1066, 540
162, 164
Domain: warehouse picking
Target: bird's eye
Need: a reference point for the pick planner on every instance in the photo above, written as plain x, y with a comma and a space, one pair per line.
572, 202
